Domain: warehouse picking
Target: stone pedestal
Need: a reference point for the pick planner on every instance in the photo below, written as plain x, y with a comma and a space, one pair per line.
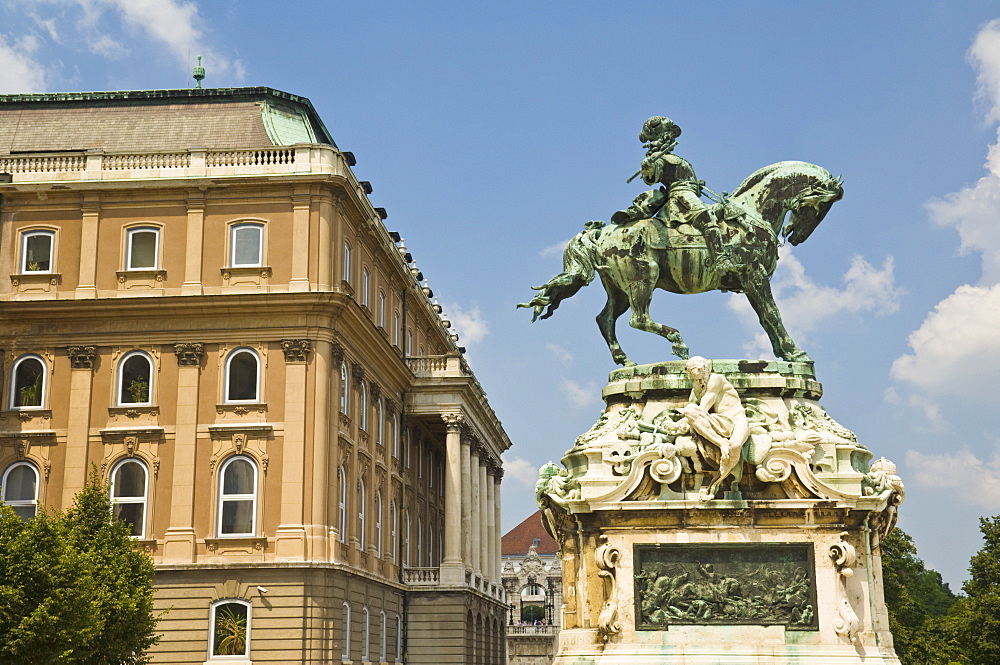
780, 565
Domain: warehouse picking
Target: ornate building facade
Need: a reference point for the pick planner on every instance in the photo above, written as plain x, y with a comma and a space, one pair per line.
202, 306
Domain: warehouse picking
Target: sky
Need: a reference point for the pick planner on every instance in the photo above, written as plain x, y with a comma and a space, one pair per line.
491, 132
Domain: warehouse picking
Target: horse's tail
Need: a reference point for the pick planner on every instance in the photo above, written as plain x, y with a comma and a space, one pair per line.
579, 265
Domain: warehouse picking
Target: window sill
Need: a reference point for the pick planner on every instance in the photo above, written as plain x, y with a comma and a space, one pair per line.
245, 276
35, 282
241, 408
237, 544
141, 279
27, 413
134, 411
229, 660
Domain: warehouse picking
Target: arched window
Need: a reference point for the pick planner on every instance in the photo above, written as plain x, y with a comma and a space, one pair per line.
36, 251
394, 422
399, 638
238, 497
362, 514
129, 490
345, 391
430, 544
230, 628
366, 644
366, 284
406, 538
381, 310
420, 542
378, 523
243, 376
342, 479
364, 406
142, 248
382, 636
246, 243
345, 651
27, 383
135, 379
20, 489
347, 262
393, 533
380, 425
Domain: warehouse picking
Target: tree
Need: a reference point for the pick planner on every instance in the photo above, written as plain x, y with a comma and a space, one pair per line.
982, 607
73, 588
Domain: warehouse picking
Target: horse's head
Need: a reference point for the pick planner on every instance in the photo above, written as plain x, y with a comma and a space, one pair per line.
809, 207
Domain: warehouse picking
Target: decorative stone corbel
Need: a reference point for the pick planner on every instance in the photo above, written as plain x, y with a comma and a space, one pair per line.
844, 558
337, 353
189, 354
375, 390
81, 357
391, 405
607, 562
296, 350
357, 374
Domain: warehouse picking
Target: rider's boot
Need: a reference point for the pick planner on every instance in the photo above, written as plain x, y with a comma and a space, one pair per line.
643, 206
721, 259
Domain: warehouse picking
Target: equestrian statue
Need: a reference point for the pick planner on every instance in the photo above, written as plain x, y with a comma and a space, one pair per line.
669, 238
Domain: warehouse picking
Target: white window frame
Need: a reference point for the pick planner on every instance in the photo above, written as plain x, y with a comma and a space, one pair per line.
394, 529
120, 379
382, 637
222, 498
240, 658
362, 515
395, 435
363, 416
345, 648
135, 230
20, 503
380, 425
30, 233
409, 342
241, 226
430, 543
406, 538
347, 262
256, 399
399, 638
378, 523
345, 392
366, 283
395, 329
366, 645
144, 499
420, 541
381, 309
342, 474
12, 397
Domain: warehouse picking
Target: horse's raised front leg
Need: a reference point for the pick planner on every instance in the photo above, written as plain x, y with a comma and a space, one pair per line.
640, 295
758, 292
615, 307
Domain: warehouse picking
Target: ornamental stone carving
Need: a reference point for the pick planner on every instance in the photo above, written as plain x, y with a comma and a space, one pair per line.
391, 405
81, 357
375, 390
296, 350
358, 374
337, 352
453, 421
189, 354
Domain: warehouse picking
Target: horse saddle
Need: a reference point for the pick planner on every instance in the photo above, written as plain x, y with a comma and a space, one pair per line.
661, 235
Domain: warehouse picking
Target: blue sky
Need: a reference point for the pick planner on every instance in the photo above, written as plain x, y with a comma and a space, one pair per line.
492, 131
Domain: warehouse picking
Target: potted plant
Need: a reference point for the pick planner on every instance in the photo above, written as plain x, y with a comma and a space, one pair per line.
138, 389
230, 632
31, 395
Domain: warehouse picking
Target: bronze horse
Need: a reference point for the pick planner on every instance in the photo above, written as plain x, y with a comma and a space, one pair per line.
635, 258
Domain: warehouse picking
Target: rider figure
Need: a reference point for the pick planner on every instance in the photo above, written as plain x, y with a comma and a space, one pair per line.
680, 191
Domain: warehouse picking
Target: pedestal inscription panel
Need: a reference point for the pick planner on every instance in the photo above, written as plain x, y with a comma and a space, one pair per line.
725, 584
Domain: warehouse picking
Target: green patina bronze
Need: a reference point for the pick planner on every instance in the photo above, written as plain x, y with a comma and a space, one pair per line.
727, 584
670, 239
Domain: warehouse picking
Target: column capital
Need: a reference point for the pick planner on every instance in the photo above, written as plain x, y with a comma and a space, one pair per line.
81, 357
375, 390
453, 421
189, 354
337, 352
296, 350
357, 373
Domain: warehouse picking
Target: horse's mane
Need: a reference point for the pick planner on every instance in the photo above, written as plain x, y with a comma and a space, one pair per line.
762, 173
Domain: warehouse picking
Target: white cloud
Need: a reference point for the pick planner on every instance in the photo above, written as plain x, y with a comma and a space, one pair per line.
470, 324
985, 57
578, 395
108, 47
20, 71
559, 353
974, 481
557, 248
805, 305
520, 470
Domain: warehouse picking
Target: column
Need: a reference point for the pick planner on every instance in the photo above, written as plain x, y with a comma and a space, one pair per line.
482, 534
179, 540
498, 572
81, 359
475, 525
91, 214
290, 534
319, 532
452, 566
490, 568
326, 221
301, 203
195, 233
466, 501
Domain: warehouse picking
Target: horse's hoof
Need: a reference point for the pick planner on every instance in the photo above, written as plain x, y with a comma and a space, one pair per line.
681, 351
798, 357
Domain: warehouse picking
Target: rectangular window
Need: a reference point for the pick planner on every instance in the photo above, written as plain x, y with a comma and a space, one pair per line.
143, 249
36, 251
366, 280
245, 245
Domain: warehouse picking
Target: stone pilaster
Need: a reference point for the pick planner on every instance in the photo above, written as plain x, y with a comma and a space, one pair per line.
476, 526
466, 501
193, 255
452, 566
179, 540
81, 379
290, 534
482, 534
90, 211
301, 204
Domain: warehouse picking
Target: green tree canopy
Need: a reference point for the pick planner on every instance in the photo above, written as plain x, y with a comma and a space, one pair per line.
73, 588
982, 607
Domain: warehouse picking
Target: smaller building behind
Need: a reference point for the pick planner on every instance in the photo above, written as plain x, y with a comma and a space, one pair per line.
532, 576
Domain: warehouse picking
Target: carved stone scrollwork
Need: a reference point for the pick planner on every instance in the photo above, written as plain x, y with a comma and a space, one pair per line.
296, 350
668, 467
189, 354
357, 374
376, 390
337, 353
81, 357
607, 562
844, 558
452, 421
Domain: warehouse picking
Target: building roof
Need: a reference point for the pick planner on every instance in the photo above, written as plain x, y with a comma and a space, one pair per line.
157, 120
517, 541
